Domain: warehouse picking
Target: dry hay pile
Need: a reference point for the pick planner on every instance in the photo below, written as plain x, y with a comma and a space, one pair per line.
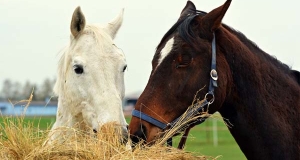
21, 140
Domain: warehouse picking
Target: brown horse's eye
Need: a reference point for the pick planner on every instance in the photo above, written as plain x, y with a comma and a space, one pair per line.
184, 60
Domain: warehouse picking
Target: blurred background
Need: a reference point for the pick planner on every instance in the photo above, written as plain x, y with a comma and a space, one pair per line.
33, 32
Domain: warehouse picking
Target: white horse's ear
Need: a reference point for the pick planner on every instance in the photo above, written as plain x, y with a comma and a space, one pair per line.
78, 22
113, 26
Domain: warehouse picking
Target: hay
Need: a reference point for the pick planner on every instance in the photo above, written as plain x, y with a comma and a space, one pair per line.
20, 140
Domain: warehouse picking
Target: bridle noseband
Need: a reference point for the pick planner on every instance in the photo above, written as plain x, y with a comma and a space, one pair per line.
191, 113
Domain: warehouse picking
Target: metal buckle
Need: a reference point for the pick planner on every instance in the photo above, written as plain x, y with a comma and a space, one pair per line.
214, 74
212, 99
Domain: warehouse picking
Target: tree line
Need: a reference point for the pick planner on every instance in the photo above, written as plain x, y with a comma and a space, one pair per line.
16, 91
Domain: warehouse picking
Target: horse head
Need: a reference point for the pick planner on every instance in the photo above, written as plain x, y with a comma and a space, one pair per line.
253, 91
180, 68
90, 78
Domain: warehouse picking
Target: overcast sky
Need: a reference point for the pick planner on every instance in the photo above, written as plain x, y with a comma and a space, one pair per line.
32, 32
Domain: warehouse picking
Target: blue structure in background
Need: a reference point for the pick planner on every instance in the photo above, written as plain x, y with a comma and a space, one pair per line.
34, 109
46, 108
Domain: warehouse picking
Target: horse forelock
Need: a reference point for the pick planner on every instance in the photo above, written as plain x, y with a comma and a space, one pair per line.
183, 27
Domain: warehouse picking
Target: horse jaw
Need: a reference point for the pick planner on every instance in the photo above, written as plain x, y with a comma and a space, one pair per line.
114, 26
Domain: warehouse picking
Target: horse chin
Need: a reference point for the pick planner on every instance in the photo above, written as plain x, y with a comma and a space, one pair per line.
137, 141
125, 135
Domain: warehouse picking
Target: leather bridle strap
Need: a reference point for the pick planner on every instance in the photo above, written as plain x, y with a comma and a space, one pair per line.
191, 113
213, 72
149, 119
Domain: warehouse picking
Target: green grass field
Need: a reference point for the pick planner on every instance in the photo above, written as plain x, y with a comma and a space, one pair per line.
200, 139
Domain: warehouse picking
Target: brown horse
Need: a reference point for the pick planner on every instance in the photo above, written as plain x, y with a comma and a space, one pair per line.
256, 93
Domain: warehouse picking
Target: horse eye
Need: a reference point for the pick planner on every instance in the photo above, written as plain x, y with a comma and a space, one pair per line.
78, 69
184, 60
125, 67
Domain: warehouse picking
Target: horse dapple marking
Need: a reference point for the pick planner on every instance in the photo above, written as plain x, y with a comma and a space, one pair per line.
256, 93
90, 78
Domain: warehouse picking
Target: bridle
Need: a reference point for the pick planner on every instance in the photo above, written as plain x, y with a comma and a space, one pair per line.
190, 113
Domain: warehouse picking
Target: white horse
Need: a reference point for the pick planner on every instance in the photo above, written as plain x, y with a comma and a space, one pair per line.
90, 79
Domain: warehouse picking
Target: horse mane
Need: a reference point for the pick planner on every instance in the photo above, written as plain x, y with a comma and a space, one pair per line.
65, 59
183, 25
171, 31
185, 30
255, 49
61, 70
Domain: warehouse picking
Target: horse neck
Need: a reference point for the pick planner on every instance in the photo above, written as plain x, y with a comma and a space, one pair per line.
263, 105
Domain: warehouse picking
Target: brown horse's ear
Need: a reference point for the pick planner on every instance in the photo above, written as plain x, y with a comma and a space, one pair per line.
214, 18
188, 9
78, 22
296, 74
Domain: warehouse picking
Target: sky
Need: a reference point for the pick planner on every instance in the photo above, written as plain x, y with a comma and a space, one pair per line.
33, 32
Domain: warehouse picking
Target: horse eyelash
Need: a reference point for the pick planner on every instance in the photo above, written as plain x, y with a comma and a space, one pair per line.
184, 62
182, 65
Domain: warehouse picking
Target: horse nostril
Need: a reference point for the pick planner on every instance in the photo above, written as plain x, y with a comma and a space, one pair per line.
139, 135
134, 140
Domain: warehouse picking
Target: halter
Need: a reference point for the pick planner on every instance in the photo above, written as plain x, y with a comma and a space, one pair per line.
191, 113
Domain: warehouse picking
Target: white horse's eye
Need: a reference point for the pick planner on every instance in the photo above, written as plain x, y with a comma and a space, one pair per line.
78, 69
125, 67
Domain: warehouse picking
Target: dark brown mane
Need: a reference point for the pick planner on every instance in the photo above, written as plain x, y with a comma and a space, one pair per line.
178, 24
254, 47
184, 28
185, 31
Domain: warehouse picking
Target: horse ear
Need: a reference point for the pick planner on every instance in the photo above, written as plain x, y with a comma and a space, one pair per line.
296, 74
214, 18
78, 22
188, 9
113, 26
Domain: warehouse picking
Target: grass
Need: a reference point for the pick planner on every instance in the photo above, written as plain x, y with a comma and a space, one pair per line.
40, 122
200, 139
